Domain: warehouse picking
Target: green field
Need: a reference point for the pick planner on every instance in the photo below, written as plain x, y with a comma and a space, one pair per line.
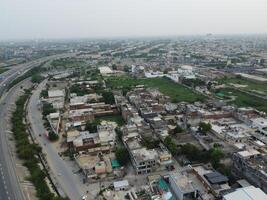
68, 63
250, 84
176, 92
245, 100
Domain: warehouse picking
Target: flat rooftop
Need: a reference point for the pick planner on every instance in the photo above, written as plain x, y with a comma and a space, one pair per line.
144, 154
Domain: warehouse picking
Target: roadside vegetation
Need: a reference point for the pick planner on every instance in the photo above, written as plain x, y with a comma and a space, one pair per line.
34, 73
175, 91
28, 152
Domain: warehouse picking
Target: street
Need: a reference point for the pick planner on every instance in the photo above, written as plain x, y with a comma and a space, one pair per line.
70, 183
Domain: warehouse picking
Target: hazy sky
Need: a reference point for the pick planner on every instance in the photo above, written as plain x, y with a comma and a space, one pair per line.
25, 19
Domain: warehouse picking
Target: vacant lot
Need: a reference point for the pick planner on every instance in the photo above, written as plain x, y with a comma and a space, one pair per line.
177, 92
113, 118
245, 100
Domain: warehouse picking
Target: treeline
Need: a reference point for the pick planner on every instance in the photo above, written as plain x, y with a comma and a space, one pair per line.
29, 152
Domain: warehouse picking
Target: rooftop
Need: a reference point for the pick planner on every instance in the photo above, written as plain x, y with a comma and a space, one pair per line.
247, 193
144, 154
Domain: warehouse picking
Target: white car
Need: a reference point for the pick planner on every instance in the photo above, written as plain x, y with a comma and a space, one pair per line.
84, 197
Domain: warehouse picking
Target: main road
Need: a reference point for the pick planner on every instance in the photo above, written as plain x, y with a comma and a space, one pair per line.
18, 70
69, 182
10, 188
9, 183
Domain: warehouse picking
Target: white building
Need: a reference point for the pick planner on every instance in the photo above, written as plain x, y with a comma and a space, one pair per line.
260, 124
121, 185
247, 193
182, 187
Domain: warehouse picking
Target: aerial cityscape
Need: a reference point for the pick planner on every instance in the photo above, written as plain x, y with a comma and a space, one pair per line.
120, 116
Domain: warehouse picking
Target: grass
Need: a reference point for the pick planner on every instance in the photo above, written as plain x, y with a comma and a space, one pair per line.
251, 85
114, 118
175, 91
245, 100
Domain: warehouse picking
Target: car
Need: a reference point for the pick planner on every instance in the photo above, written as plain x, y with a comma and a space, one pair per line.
84, 197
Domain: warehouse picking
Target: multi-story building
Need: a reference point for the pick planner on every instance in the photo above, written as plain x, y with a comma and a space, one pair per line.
251, 165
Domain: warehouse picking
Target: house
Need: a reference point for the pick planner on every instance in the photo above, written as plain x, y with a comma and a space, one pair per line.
121, 185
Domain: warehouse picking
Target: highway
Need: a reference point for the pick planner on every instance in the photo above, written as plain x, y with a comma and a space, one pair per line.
10, 188
18, 70
9, 183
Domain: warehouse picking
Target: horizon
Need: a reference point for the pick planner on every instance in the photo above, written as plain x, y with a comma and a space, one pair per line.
59, 19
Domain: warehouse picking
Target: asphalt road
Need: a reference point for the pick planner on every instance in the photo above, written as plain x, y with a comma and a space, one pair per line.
9, 183
69, 182
18, 70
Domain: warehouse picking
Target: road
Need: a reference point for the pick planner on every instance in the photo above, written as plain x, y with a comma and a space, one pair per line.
69, 182
18, 70
9, 183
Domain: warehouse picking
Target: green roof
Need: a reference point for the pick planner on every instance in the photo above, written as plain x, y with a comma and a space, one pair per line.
220, 94
163, 185
115, 164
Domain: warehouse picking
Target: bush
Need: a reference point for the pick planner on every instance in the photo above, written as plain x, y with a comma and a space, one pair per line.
122, 155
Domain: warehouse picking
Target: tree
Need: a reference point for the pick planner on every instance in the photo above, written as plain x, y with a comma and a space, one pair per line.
204, 127
36, 78
169, 143
216, 156
91, 126
44, 93
52, 136
119, 133
108, 97
209, 85
178, 129
48, 108
150, 142
122, 155
114, 67
190, 151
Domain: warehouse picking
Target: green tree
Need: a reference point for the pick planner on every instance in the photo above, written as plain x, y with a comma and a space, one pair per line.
204, 127
48, 108
119, 133
52, 136
216, 156
108, 97
36, 78
44, 93
91, 126
122, 155
178, 129
169, 143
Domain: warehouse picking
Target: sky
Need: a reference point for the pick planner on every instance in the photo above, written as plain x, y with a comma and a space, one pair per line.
36, 19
